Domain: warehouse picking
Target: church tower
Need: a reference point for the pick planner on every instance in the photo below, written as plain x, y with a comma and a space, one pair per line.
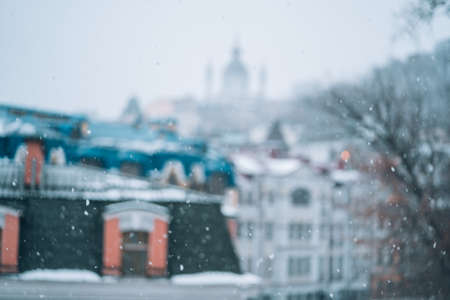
235, 77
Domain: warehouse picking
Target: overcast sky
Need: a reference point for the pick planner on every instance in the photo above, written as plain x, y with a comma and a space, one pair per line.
93, 55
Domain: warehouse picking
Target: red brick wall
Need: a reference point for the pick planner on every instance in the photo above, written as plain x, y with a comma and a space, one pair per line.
157, 251
34, 153
10, 244
112, 253
232, 227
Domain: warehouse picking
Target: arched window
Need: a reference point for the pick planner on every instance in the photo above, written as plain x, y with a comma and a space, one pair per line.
301, 196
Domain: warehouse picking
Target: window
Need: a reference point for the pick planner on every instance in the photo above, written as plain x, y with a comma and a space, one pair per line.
266, 267
249, 198
323, 264
245, 230
323, 231
250, 230
246, 197
337, 264
300, 231
135, 239
337, 236
299, 266
249, 264
271, 197
340, 196
134, 252
268, 231
359, 266
301, 196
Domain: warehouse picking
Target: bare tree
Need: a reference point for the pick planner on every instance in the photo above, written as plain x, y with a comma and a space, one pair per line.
425, 10
402, 112
419, 13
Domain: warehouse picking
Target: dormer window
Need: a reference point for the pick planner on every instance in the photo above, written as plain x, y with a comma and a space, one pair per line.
135, 239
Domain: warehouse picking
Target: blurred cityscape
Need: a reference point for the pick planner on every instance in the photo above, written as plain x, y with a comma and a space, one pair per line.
336, 192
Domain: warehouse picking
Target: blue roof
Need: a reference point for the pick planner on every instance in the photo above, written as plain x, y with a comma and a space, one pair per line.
109, 143
119, 131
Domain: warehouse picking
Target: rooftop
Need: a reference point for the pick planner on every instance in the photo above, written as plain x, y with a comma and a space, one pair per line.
82, 182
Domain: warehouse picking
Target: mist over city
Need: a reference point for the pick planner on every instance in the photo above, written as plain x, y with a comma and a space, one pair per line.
250, 150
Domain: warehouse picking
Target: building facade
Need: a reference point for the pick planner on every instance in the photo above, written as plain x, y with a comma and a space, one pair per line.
300, 230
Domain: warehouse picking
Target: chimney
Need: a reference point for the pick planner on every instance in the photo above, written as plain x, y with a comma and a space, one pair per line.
34, 162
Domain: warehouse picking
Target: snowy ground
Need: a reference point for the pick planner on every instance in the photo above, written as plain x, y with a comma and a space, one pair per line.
60, 275
127, 289
82, 284
216, 278
204, 278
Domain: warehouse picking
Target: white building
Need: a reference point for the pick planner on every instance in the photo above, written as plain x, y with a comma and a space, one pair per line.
297, 229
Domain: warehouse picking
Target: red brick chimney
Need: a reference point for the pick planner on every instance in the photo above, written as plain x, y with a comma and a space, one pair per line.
33, 163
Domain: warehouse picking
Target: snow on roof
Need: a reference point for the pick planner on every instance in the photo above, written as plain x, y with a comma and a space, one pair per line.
79, 182
26, 127
136, 205
281, 166
318, 152
70, 275
249, 165
216, 278
246, 164
258, 134
16, 126
229, 210
344, 175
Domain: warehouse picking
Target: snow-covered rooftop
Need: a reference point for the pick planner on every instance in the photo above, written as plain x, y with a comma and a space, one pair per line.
344, 176
80, 182
246, 164
281, 166
251, 165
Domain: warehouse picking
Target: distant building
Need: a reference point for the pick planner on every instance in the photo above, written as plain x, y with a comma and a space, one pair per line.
235, 84
235, 77
302, 223
132, 113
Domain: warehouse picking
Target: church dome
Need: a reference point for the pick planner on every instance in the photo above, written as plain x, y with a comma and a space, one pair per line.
235, 66
235, 78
